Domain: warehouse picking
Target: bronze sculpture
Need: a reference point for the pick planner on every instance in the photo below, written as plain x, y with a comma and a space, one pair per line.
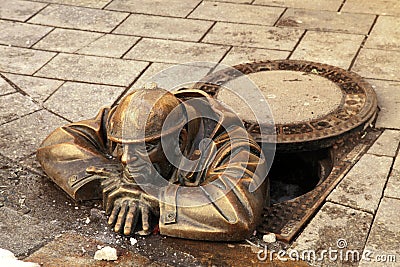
181, 159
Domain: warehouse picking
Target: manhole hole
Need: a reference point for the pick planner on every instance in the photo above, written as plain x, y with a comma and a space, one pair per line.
320, 112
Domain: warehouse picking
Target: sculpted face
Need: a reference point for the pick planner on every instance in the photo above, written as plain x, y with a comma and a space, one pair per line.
144, 160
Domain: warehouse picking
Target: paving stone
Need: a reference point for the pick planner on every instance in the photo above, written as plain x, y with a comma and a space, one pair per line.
380, 7
362, 187
78, 250
78, 107
22, 60
22, 137
109, 45
21, 34
5, 87
237, 13
92, 69
388, 94
164, 27
174, 8
21, 233
173, 77
327, 21
239, 55
330, 225
253, 36
393, 184
380, 64
79, 18
63, 40
337, 49
387, 144
38, 89
83, 3
383, 239
19, 10
175, 51
235, 1
14, 106
332, 5
385, 34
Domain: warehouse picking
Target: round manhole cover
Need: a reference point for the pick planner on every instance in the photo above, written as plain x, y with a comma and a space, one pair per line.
312, 104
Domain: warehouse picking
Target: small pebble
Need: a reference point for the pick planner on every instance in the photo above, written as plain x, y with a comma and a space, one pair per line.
133, 241
269, 238
107, 254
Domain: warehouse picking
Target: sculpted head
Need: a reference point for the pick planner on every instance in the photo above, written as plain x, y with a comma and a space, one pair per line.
138, 124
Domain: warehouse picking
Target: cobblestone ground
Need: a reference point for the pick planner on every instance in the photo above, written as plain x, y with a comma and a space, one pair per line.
61, 60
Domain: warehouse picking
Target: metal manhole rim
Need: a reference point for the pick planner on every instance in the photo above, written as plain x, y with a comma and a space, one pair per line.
350, 83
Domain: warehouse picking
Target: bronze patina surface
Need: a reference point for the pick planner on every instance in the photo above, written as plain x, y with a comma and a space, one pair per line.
180, 160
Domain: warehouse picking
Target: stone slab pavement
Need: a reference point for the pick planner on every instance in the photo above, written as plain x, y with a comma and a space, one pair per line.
61, 60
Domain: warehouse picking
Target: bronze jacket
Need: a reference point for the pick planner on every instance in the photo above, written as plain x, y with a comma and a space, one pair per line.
222, 202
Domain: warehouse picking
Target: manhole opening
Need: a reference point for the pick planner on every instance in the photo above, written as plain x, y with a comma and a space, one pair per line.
295, 174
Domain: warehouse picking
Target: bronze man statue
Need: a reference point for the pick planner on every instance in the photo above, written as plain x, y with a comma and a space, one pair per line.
181, 160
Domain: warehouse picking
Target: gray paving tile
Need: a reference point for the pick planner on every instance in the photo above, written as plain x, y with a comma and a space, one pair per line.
19, 10
5, 87
175, 8
378, 64
337, 49
239, 55
253, 36
68, 102
22, 233
83, 3
79, 18
383, 239
15, 105
385, 34
109, 45
393, 184
21, 34
333, 226
387, 144
22, 137
173, 76
63, 40
381, 7
22, 60
362, 187
164, 27
327, 21
235, 1
175, 51
38, 89
92, 69
231, 12
388, 94
332, 5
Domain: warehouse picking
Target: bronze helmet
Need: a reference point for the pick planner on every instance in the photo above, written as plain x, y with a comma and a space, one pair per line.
140, 116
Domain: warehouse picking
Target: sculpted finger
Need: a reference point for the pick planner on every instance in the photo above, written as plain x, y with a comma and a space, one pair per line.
145, 218
131, 218
114, 213
121, 217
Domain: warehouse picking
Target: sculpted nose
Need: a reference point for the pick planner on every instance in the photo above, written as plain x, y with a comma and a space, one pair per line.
126, 158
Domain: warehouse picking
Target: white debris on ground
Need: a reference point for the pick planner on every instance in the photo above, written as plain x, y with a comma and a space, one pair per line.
106, 254
269, 238
8, 259
133, 241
